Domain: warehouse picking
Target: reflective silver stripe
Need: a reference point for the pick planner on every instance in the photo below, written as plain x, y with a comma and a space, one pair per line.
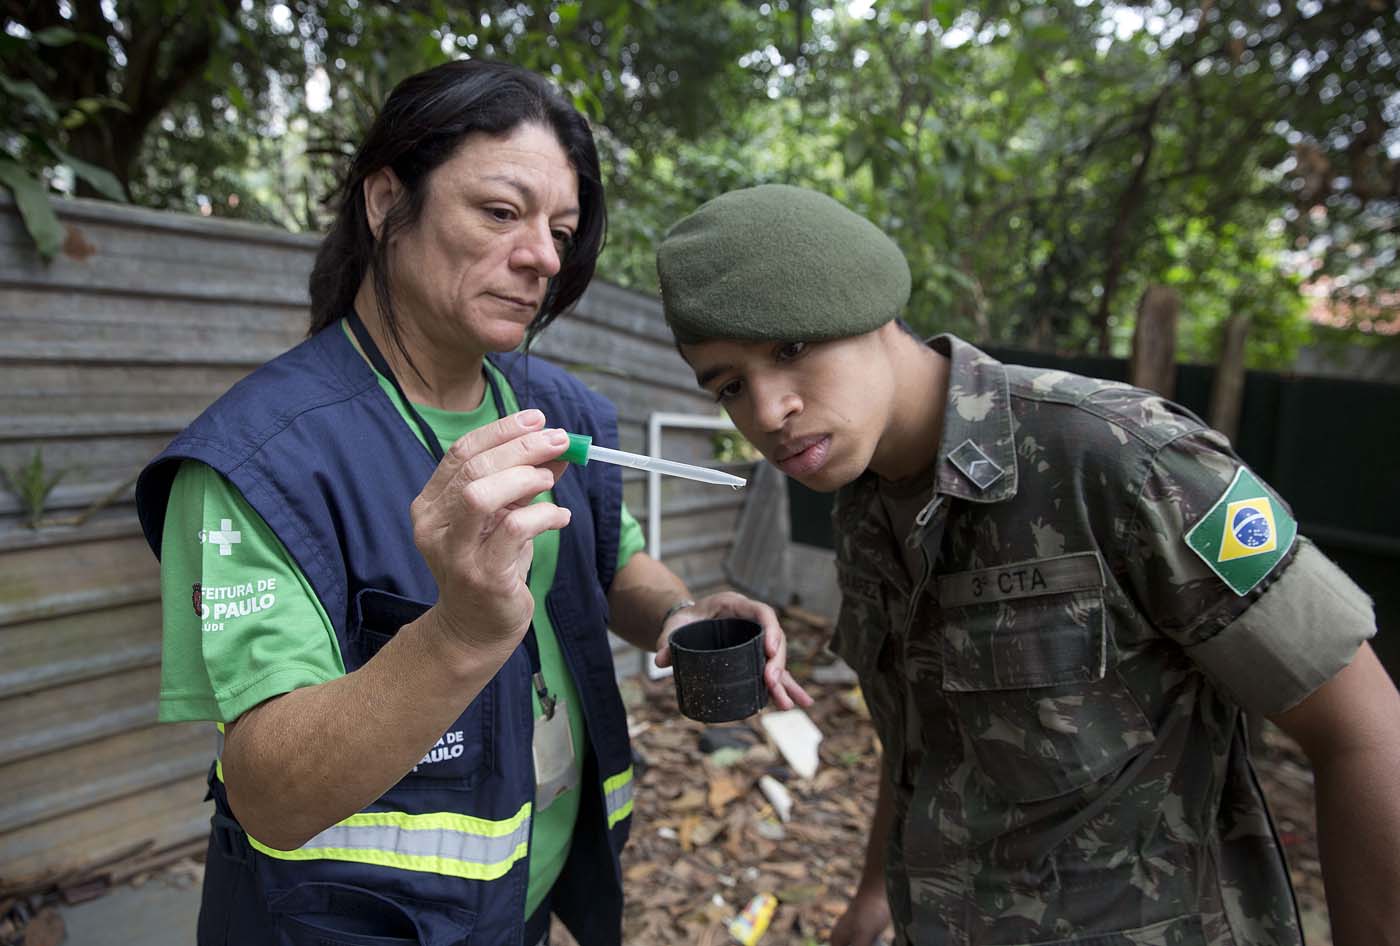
411, 842
619, 798
437, 843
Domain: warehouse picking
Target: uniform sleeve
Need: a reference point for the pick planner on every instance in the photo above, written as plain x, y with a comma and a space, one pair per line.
1217, 566
630, 538
240, 622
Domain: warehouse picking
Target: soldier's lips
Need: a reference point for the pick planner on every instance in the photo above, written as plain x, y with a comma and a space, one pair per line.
807, 457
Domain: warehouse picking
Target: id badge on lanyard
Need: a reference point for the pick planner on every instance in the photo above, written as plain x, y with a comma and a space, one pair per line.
554, 753
555, 771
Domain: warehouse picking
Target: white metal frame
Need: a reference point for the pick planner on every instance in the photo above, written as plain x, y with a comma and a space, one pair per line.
656, 422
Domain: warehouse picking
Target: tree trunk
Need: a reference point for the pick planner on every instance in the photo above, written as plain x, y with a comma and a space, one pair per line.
1153, 362
1128, 203
1227, 392
163, 57
108, 141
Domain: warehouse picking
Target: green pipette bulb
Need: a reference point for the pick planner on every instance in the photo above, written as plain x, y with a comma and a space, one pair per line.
581, 450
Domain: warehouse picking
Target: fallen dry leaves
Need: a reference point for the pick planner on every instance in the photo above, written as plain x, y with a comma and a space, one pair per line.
704, 840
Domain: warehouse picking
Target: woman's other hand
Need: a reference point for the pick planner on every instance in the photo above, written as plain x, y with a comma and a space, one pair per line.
786, 691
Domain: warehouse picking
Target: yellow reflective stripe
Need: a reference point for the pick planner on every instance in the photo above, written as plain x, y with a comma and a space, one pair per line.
446, 866
617, 792
623, 812
219, 753
439, 842
439, 821
615, 782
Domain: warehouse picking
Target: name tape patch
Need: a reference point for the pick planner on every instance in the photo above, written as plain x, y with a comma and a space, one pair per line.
1079, 571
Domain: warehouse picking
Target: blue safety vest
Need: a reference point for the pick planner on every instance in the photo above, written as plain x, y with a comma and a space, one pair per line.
318, 450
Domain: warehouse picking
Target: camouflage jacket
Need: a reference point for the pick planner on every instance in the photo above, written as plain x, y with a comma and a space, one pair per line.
1060, 697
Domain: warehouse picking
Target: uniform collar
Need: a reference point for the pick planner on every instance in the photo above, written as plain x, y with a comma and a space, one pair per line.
977, 454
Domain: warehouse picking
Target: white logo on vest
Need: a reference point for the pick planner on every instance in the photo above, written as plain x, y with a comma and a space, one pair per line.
225, 537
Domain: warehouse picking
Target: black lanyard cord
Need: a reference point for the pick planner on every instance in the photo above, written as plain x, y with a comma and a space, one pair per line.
376, 358
547, 700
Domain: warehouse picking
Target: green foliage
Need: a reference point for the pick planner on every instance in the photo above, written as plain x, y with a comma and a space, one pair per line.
32, 483
1041, 162
731, 447
1222, 270
33, 129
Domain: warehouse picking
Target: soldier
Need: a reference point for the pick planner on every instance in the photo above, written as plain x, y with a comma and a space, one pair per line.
1062, 596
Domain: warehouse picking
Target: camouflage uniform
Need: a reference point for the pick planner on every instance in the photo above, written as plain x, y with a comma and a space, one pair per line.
1060, 693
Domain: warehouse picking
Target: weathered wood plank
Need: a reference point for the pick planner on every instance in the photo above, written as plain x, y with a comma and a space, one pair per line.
625, 310
173, 814
42, 324
59, 783
117, 521
139, 218
74, 647
119, 258
50, 581
69, 389
64, 717
91, 466
581, 346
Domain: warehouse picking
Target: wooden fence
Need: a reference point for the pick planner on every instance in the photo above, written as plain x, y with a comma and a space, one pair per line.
105, 354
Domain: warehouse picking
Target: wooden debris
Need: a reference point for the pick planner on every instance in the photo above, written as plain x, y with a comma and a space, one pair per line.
46, 929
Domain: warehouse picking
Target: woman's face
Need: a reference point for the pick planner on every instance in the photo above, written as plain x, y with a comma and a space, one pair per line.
497, 220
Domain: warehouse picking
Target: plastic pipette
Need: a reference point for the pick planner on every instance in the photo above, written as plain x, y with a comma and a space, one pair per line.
581, 450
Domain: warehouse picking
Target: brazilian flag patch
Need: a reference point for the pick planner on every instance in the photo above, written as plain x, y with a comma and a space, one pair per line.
1244, 535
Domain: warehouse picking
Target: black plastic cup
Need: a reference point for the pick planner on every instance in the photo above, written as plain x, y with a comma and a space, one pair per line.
719, 669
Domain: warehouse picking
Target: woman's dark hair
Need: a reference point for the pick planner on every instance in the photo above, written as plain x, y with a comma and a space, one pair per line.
420, 126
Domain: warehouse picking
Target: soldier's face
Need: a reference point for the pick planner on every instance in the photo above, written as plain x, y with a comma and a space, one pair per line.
816, 410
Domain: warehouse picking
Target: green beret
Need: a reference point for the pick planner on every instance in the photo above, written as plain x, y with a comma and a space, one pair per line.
780, 263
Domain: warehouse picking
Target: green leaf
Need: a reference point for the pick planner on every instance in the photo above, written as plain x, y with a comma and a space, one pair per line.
102, 180
34, 208
85, 108
55, 36
31, 484
27, 91
95, 103
568, 17
237, 99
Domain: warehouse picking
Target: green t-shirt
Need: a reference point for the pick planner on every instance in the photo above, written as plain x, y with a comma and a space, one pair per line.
242, 624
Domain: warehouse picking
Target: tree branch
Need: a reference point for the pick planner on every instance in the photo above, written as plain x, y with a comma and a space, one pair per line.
1128, 203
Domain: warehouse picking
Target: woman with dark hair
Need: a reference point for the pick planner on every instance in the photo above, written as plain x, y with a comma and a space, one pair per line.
380, 580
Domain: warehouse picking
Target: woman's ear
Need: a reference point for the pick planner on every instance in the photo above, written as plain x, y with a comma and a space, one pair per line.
382, 191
